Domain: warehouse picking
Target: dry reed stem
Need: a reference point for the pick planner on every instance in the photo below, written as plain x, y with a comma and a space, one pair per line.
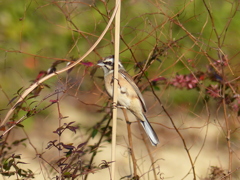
115, 86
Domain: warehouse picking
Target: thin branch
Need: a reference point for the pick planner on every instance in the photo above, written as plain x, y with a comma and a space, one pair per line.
131, 150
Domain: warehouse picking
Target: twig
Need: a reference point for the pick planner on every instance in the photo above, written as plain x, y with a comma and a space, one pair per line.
149, 152
176, 129
130, 143
228, 130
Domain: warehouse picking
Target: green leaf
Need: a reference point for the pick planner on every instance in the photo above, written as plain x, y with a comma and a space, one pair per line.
67, 174
156, 88
94, 133
8, 173
8, 165
146, 73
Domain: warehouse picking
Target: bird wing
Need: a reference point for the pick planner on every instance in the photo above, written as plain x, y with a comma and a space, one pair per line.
134, 86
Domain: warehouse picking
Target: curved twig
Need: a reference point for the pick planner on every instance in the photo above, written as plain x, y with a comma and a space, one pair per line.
33, 86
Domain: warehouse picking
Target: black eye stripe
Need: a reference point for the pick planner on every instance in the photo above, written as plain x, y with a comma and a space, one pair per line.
108, 63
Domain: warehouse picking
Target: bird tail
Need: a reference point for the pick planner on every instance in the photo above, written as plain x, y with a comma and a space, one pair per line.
150, 132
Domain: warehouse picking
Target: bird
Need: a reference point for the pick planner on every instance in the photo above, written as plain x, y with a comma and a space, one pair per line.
129, 95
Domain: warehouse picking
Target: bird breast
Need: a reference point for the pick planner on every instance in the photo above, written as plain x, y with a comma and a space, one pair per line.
126, 94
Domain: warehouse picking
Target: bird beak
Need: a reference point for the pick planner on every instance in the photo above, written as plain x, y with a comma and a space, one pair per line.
100, 63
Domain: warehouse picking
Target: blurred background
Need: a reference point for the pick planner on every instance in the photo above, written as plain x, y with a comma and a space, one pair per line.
184, 57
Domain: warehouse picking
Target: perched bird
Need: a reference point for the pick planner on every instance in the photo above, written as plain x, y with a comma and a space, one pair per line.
129, 95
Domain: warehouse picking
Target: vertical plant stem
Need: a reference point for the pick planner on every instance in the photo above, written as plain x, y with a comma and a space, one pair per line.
115, 87
149, 152
130, 143
59, 137
228, 134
